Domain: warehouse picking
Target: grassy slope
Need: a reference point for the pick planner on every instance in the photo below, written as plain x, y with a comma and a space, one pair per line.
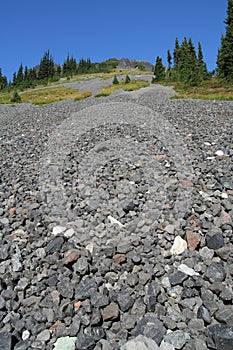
209, 90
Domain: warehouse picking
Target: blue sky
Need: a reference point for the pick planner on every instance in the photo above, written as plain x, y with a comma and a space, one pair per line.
103, 29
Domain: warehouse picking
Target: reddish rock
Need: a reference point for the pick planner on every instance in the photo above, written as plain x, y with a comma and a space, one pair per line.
160, 156
55, 297
185, 183
58, 323
119, 258
225, 218
71, 256
110, 312
193, 240
12, 211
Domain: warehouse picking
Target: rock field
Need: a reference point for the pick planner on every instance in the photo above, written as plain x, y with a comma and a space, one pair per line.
116, 219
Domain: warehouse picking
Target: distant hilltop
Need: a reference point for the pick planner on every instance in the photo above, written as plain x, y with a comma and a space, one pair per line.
125, 63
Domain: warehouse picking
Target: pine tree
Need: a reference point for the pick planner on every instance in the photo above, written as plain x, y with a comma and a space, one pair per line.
201, 64
3, 80
115, 80
159, 71
127, 79
46, 68
25, 75
19, 76
169, 59
176, 53
225, 53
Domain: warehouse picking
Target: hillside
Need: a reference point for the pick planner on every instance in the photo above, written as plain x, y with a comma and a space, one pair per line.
116, 223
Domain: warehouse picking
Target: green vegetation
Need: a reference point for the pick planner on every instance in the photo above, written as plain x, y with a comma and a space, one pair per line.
127, 79
212, 89
15, 98
115, 80
130, 86
186, 70
159, 71
225, 53
44, 95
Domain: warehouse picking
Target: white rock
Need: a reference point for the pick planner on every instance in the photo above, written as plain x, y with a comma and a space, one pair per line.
90, 247
219, 153
140, 343
25, 335
187, 270
179, 246
69, 233
170, 228
65, 343
115, 221
58, 229
224, 195
166, 346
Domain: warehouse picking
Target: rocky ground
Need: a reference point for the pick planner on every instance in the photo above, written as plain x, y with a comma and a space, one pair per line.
116, 223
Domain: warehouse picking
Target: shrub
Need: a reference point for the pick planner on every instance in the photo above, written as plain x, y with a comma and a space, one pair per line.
15, 97
115, 81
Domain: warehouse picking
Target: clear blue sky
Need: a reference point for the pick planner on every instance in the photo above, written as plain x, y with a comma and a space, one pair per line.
103, 29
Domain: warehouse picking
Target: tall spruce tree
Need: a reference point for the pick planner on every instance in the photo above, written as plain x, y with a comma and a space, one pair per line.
225, 52
3, 80
159, 71
19, 76
46, 68
176, 53
201, 64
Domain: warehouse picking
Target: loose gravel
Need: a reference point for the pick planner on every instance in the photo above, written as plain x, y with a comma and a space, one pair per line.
116, 223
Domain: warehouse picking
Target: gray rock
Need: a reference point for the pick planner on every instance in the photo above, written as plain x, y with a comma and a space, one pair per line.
23, 345
140, 343
6, 341
54, 245
225, 315
81, 266
85, 342
99, 300
96, 333
125, 301
85, 288
215, 272
214, 239
152, 290
222, 336
177, 338
203, 313
150, 327
177, 278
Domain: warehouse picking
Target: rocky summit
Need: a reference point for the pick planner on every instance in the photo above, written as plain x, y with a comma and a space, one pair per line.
116, 223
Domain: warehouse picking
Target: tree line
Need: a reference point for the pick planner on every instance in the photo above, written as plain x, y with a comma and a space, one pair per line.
48, 71
188, 66
185, 65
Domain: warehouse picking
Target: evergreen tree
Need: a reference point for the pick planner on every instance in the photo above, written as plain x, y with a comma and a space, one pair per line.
186, 65
159, 71
25, 76
19, 76
115, 81
69, 66
201, 64
169, 59
176, 53
46, 68
58, 70
127, 79
225, 53
3, 80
